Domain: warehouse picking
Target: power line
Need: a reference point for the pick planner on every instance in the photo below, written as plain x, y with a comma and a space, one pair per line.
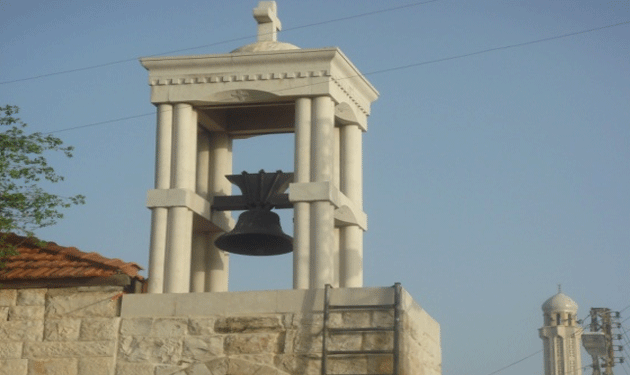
500, 48
387, 70
513, 363
533, 354
100, 123
218, 43
361, 15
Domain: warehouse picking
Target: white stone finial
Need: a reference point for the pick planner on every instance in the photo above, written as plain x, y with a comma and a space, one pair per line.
266, 14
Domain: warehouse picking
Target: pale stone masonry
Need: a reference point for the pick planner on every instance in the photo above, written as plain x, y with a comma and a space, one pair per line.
93, 331
64, 331
268, 332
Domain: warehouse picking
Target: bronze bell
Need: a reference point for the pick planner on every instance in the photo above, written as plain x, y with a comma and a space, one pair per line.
257, 232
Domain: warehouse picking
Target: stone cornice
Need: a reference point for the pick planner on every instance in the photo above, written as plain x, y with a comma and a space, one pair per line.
230, 77
324, 71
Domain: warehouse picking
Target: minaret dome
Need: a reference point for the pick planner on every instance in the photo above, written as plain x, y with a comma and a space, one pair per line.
561, 336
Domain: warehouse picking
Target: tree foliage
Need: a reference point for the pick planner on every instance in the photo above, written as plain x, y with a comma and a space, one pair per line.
24, 205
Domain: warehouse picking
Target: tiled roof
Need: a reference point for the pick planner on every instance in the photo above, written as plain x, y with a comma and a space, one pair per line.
51, 261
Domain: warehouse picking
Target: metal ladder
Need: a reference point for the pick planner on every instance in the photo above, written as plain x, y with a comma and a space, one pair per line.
327, 331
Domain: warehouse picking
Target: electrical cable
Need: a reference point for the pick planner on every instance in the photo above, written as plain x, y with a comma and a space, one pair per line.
218, 43
513, 363
498, 48
100, 123
387, 70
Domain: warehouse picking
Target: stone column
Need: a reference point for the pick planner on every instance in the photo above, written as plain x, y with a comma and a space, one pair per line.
179, 241
301, 210
157, 247
336, 182
201, 239
351, 241
322, 212
217, 260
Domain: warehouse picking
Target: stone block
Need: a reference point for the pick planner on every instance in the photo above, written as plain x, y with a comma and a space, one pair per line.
253, 302
240, 366
158, 350
170, 370
143, 304
298, 364
136, 326
31, 297
169, 327
346, 341
300, 321
10, 350
378, 341
218, 366
201, 348
63, 349
61, 329
354, 319
249, 324
57, 366
13, 367
381, 364
383, 318
307, 342
198, 369
302, 300
26, 312
4, 313
98, 329
254, 343
81, 305
8, 297
22, 330
348, 365
201, 326
101, 289
419, 358
263, 359
134, 369
362, 296
96, 366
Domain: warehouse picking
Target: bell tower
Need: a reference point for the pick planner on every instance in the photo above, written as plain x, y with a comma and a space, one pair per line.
561, 336
204, 103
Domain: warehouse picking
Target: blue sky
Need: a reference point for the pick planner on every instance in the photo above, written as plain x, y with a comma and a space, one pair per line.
489, 179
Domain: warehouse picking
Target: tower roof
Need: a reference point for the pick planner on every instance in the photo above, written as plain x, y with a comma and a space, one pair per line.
560, 302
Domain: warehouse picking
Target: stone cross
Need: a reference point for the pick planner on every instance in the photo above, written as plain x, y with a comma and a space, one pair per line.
266, 14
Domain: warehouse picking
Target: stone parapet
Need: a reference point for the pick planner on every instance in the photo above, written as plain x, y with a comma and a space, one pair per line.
86, 331
62, 331
270, 332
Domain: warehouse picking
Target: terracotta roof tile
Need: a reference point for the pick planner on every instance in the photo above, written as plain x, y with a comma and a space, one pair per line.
51, 261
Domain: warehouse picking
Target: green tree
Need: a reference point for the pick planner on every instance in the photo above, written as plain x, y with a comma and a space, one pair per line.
24, 205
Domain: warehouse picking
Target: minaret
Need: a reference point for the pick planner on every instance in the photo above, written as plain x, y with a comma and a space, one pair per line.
561, 336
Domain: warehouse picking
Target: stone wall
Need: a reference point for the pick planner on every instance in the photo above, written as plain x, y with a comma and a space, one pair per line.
66, 331
86, 331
